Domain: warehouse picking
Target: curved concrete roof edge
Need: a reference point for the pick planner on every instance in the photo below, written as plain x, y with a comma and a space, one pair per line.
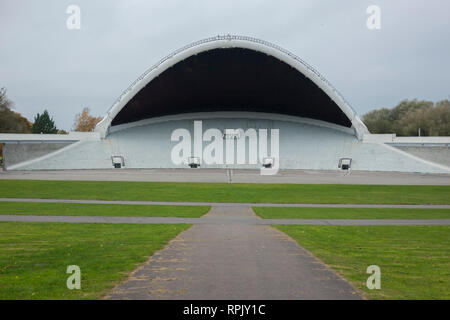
232, 41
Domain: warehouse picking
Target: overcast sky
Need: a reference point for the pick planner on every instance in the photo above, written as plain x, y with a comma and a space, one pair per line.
44, 65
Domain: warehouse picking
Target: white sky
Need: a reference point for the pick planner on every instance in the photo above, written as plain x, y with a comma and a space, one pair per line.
44, 65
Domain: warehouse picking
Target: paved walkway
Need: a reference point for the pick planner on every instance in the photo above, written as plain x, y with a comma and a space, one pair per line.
230, 253
225, 219
235, 175
233, 261
238, 204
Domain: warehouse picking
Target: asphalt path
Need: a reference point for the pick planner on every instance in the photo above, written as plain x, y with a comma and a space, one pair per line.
235, 176
233, 261
224, 220
237, 204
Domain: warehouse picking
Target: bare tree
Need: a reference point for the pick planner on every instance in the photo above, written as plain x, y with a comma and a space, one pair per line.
5, 103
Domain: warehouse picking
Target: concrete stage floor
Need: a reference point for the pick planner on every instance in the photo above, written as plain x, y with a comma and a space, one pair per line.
234, 176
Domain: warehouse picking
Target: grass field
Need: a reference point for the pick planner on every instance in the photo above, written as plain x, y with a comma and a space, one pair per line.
34, 256
220, 192
350, 213
414, 260
114, 210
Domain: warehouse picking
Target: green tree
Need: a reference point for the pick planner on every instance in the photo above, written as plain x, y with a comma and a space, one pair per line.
439, 118
378, 121
44, 124
408, 117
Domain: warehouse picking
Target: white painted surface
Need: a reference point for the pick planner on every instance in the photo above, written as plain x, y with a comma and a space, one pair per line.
393, 139
434, 153
378, 138
302, 146
29, 137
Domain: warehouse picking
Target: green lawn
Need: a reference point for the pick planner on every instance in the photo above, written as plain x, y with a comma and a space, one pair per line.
223, 192
350, 213
81, 209
34, 256
414, 260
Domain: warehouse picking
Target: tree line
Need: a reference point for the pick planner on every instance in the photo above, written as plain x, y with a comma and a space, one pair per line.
14, 122
411, 118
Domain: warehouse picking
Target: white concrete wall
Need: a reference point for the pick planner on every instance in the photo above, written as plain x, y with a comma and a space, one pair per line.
433, 153
79, 155
20, 152
33, 137
302, 146
393, 139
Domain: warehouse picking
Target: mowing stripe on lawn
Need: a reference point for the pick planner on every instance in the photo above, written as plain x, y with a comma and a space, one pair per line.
111, 210
350, 213
223, 192
229, 204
